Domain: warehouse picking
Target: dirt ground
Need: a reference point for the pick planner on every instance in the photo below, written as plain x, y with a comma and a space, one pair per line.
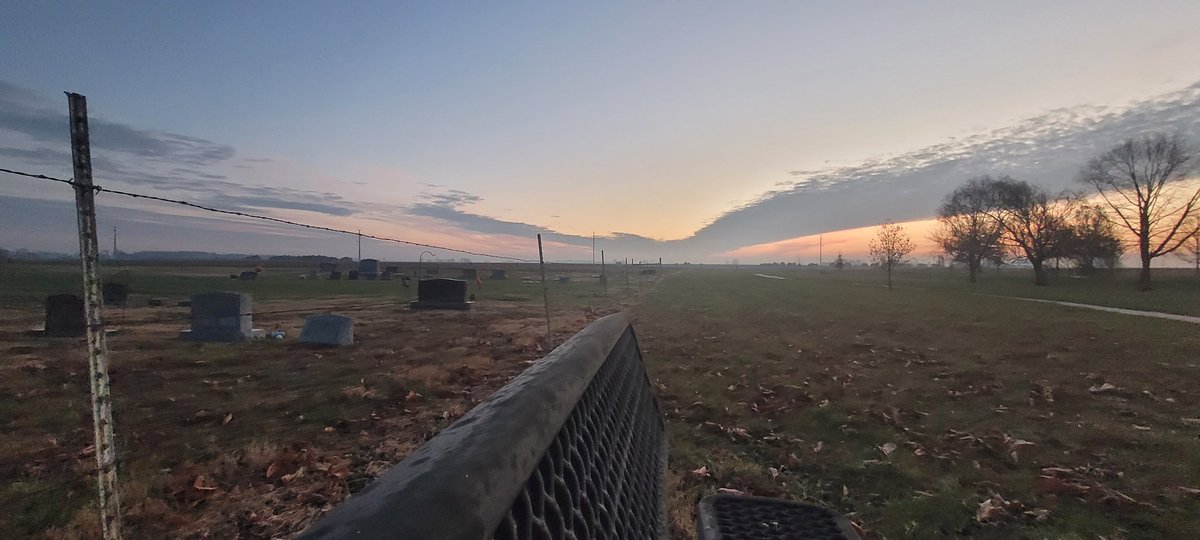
248, 440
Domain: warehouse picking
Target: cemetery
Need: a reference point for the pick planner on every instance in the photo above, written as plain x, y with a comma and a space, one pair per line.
864, 391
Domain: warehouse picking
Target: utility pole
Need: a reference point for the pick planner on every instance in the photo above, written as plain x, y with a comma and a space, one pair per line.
820, 251
360, 245
89, 255
593, 247
114, 253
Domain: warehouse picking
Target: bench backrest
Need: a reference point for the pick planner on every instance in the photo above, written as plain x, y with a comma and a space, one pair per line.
573, 447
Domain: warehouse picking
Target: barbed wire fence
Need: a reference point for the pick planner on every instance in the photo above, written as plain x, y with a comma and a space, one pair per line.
97, 325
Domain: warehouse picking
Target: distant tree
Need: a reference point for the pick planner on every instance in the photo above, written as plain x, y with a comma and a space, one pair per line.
1190, 252
1093, 240
1037, 226
1139, 181
967, 231
889, 247
839, 262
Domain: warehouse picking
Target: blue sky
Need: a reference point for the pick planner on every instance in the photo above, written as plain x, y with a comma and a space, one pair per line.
684, 129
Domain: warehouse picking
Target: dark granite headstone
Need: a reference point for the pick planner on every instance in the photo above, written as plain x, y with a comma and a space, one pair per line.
441, 293
564, 279
353, 275
333, 330
220, 316
115, 294
65, 316
368, 268
335, 275
499, 274
248, 275
469, 273
327, 267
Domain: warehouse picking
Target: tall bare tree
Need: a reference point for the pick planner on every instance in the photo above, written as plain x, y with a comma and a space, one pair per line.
1139, 180
1037, 225
966, 232
889, 247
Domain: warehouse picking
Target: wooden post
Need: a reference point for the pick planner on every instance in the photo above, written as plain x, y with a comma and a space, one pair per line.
603, 274
89, 254
545, 293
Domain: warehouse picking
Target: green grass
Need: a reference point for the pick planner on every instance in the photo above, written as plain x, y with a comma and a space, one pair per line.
838, 363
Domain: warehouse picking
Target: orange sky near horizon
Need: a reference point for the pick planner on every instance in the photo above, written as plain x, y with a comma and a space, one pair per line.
851, 243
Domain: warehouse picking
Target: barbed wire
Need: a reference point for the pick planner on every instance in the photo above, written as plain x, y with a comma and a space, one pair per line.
101, 189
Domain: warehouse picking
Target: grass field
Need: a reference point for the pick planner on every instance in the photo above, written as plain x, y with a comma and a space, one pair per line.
928, 411
255, 439
925, 411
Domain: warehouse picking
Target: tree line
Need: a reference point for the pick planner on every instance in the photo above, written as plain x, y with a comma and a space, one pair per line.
1140, 196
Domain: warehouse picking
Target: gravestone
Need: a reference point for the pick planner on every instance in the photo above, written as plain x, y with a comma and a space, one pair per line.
564, 279
333, 330
248, 275
499, 274
65, 316
441, 293
385, 276
326, 267
335, 275
154, 302
368, 268
393, 270
220, 316
115, 294
313, 274
469, 273
353, 275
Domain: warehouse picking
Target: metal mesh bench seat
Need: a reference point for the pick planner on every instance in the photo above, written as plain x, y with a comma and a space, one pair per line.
739, 517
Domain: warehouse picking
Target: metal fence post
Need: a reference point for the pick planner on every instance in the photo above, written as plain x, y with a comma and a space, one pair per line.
89, 251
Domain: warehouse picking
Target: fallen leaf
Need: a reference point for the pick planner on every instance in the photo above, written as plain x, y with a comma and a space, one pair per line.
329, 429
817, 447
201, 483
1058, 486
412, 396
1141, 428
1038, 514
289, 477
1100, 389
887, 449
773, 472
988, 510
700, 473
729, 491
228, 419
272, 469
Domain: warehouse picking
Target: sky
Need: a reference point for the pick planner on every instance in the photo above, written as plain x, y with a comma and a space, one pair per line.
698, 131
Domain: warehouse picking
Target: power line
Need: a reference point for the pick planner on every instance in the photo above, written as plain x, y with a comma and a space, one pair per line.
130, 194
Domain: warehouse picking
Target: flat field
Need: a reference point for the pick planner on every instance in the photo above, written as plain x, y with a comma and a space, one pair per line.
930, 411
254, 439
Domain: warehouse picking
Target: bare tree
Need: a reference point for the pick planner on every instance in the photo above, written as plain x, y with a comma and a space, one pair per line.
839, 263
889, 247
1093, 239
966, 232
1138, 179
1037, 226
1190, 252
